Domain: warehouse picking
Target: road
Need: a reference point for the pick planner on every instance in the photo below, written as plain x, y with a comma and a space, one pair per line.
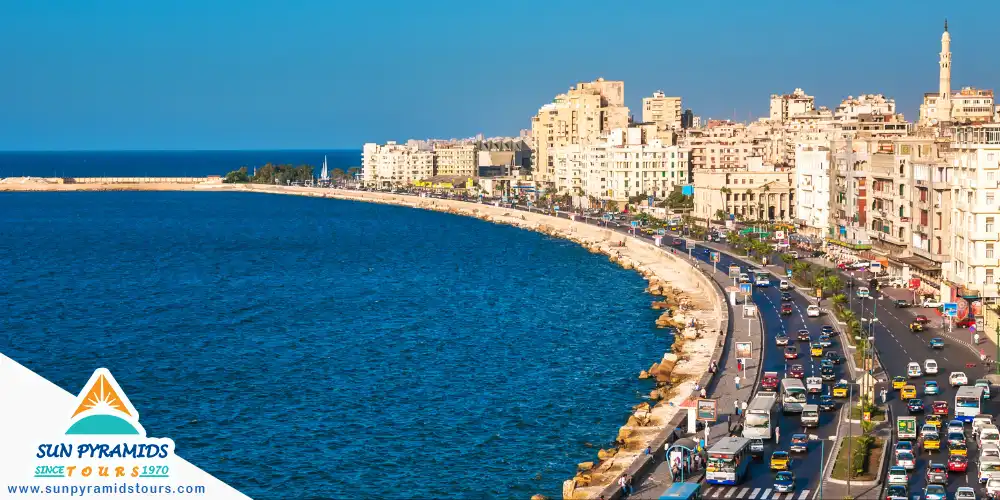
898, 347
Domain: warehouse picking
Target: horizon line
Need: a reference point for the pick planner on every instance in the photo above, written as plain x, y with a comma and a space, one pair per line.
8, 151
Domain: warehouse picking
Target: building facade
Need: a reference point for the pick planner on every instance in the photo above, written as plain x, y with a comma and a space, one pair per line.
784, 107
664, 111
394, 164
757, 192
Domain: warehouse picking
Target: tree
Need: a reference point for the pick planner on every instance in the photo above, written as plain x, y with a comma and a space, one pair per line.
353, 172
720, 214
237, 176
725, 200
612, 206
338, 173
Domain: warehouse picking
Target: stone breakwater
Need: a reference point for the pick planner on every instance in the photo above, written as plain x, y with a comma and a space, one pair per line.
689, 301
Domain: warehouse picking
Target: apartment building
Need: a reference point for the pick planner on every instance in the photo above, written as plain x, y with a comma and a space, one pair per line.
926, 163
460, 160
726, 145
975, 213
662, 110
757, 192
784, 107
395, 164
581, 116
852, 108
812, 186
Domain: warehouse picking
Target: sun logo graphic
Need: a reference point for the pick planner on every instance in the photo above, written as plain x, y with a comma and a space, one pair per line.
103, 408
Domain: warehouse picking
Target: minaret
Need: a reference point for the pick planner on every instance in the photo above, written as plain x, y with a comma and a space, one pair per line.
944, 91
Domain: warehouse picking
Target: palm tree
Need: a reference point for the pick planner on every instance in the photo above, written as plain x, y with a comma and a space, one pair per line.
720, 214
725, 199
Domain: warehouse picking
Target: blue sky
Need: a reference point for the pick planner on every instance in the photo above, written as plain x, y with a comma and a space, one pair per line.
227, 74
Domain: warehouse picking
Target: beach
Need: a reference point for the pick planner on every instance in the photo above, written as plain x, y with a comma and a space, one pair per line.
673, 282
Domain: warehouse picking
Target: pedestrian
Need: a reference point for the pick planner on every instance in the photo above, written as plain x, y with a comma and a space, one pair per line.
649, 450
736, 407
777, 435
621, 484
743, 407
628, 483
885, 394
737, 380
704, 395
975, 339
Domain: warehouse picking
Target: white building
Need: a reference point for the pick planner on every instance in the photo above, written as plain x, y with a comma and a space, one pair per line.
852, 108
788, 106
812, 188
394, 164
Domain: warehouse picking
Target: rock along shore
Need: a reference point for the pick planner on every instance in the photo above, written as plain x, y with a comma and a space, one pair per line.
685, 295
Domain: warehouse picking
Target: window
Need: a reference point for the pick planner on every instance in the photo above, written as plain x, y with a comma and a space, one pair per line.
923, 217
989, 224
989, 176
989, 250
901, 189
989, 198
900, 210
989, 276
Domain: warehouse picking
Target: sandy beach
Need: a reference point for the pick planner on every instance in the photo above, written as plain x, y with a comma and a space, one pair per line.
673, 282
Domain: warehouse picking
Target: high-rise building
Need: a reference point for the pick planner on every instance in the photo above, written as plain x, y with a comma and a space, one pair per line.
663, 111
394, 164
787, 106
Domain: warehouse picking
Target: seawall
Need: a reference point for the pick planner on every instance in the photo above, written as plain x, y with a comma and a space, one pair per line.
685, 291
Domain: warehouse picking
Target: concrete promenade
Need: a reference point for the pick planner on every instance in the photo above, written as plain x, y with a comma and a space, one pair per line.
722, 387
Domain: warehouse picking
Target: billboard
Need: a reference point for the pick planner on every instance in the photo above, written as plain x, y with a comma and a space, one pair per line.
708, 410
734, 271
743, 349
950, 309
714, 257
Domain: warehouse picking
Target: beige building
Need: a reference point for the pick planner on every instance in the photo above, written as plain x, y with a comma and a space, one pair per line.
461, 159
394, 164
852, 108
727, 145
663, 111
784, 107
757, 192
581, 116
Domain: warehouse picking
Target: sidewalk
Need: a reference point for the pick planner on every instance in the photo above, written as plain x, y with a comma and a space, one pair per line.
722, 388
835, 488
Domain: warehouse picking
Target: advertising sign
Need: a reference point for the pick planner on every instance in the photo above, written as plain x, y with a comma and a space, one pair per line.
714, 257
734, 271
635, 224
661, 231
745, 289
950, 309
708, 410
914, 283
607, 217
743, 349
779, 235
875, 267
690, 244
788, 272
906, 427
657, 240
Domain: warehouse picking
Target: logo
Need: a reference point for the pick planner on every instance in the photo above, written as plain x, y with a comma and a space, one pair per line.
104, 409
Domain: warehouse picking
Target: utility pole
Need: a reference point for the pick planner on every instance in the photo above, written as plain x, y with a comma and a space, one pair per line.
850, 438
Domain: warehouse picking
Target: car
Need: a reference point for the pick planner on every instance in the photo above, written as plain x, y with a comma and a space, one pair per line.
985, 384
898, 382
825, 340
908, 392
930, 367
916, 326
786, 309
958, 463
958, 449
935, 420
940, 408
955, 426
935, 492
770, 381
815, 349
993, 486
744, 277
812, 311
905, 460
791, 352
913, 370
901, 303
786, 297
781, 339
800, 443
965, 493
825, 362
898, 475
931, 388
936, 343
931, 303
796, 371
980, 421
897, 492
862, 292
966, 323
814, 385
955, 438
784, 481
827, 373
826, 330
784, 285
930, 440
988, 435
958, 378
762, 281
779, 460
915, 406
833, 357
840, 389
903, 446
826, 403
937, 474
921, 319
803, 335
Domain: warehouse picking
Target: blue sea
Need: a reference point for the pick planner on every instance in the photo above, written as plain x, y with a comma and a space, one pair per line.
304, 348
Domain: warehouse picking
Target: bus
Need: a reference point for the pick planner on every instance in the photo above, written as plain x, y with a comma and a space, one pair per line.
968, 402
793, 395
759, 417
728, 461
682, 491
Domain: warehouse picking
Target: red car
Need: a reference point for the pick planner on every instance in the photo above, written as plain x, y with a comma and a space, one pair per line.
958, 463
796, 371
966, 323
791, 352
921, 319
770, 382
940, 407
786, 309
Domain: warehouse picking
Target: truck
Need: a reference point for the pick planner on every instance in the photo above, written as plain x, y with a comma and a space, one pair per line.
906, 428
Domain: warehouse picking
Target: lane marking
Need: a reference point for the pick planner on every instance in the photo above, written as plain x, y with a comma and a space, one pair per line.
804, 494
753, 494
732, 491
743, 493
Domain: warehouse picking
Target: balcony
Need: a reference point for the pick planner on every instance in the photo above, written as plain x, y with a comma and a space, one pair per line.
928, 255
984, 235
983, 261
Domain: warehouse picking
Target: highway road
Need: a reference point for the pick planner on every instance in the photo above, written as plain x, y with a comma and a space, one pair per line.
898, 346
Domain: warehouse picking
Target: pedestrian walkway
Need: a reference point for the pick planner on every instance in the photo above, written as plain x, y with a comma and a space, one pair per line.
723, 388
743, 493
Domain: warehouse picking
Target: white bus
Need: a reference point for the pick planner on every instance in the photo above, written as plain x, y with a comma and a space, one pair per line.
793, 395
759, 418
968, 402
728, 461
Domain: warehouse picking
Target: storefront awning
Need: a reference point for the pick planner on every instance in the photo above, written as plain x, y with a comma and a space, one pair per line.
921, 263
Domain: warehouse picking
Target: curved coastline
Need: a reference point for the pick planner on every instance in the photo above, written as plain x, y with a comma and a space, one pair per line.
689, 294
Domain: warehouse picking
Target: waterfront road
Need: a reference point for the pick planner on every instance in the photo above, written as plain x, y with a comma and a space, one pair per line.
898, 347
807, 467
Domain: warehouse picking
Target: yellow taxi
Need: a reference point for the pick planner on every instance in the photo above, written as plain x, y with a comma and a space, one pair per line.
931, 441
840, 390
958, 449
934, 420
898, 382
816, 349
908, 392
779, 460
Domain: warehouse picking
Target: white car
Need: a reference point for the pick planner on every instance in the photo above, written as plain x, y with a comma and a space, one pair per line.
762, 280
958, 378
784, 286
980, 421
814, 384
993, 486
933, 304
989, 453
988, 436
744, 278
913, 370
965, 493
955, 427
930, 366
812, 311
862, 292
905, 460
898, 475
